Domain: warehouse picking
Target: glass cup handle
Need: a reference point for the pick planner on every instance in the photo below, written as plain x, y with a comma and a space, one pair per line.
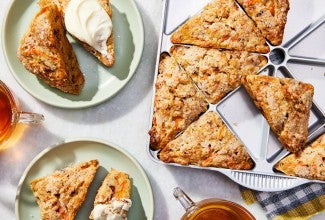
183, 198
30, 118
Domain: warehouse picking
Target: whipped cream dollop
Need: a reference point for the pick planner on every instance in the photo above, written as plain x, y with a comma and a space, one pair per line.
88, 21
116, 210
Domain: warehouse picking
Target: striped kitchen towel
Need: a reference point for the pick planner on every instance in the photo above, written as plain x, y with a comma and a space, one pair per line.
298, 203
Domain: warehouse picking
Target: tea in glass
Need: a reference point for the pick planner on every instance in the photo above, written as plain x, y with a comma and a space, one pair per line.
10, 114
5, 114
211, 209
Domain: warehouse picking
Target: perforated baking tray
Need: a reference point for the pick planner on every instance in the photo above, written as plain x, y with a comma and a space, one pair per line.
301, 56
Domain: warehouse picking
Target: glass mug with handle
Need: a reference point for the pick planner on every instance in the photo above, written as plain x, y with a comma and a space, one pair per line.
11, 114
211, 209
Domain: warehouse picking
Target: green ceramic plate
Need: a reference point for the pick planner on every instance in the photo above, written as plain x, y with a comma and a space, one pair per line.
74, 151
101, 82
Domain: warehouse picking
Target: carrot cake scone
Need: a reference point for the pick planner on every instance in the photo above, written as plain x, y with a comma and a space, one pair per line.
217, 72
222, 25
45, 51
207, 142
310, 163
177, 103
285, 103
113, 198
270, 17
90, 22
60, 194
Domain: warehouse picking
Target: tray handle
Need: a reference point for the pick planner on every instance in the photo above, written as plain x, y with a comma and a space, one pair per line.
264, 182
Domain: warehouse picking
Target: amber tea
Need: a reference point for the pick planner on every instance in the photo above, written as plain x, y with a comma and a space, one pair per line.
5, 114
211, 209
218, 210
10, 114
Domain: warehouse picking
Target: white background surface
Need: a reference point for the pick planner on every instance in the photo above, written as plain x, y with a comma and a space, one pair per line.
123, 120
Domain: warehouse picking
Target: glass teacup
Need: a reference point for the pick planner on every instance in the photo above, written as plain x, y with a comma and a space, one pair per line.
211, 209
11, 114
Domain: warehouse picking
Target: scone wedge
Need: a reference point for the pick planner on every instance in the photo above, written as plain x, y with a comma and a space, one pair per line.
177, 103
113, 196
221, 25
60, 194
107, 59
270, 17
45, 51
310, 163
217, 72
207, 142
285, 103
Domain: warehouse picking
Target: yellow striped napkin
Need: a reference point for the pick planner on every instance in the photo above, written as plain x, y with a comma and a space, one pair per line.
298, 203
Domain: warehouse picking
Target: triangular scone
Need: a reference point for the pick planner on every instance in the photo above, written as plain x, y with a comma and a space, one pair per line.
60, 194
177, 103
221, 25
45, 51
217, 72
285, 103
61, 4
108, 59
207, 142
270, 17
310, 163
116, 188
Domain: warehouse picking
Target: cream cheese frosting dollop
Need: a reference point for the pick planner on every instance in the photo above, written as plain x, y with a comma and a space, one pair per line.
88, 21
115, 210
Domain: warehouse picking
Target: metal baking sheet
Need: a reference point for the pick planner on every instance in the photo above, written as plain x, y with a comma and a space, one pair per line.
301, 56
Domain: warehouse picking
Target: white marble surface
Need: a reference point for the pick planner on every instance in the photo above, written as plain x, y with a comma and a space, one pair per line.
123, 120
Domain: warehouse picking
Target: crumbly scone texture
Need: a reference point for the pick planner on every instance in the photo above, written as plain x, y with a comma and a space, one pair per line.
177, 103
61, 4
309, 164
270, 17
45, 51
217, 72
207, 142
60, 194
285, 103
221, 25
117, 185
107, 60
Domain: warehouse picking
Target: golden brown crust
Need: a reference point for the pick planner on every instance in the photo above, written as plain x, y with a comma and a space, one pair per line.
60, 194
217, 72
116, 184
309, 164
221, 25
177, 103
45, 51
270, 17
106, 60
207, 142
285, 103
61, 4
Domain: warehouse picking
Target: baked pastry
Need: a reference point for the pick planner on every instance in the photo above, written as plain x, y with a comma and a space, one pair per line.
217, 72
45, 51
285, 103
207, 142
60, 194
221, 25
107, 59
113, 196
61, 4
270, 17
310, 163
177, 103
